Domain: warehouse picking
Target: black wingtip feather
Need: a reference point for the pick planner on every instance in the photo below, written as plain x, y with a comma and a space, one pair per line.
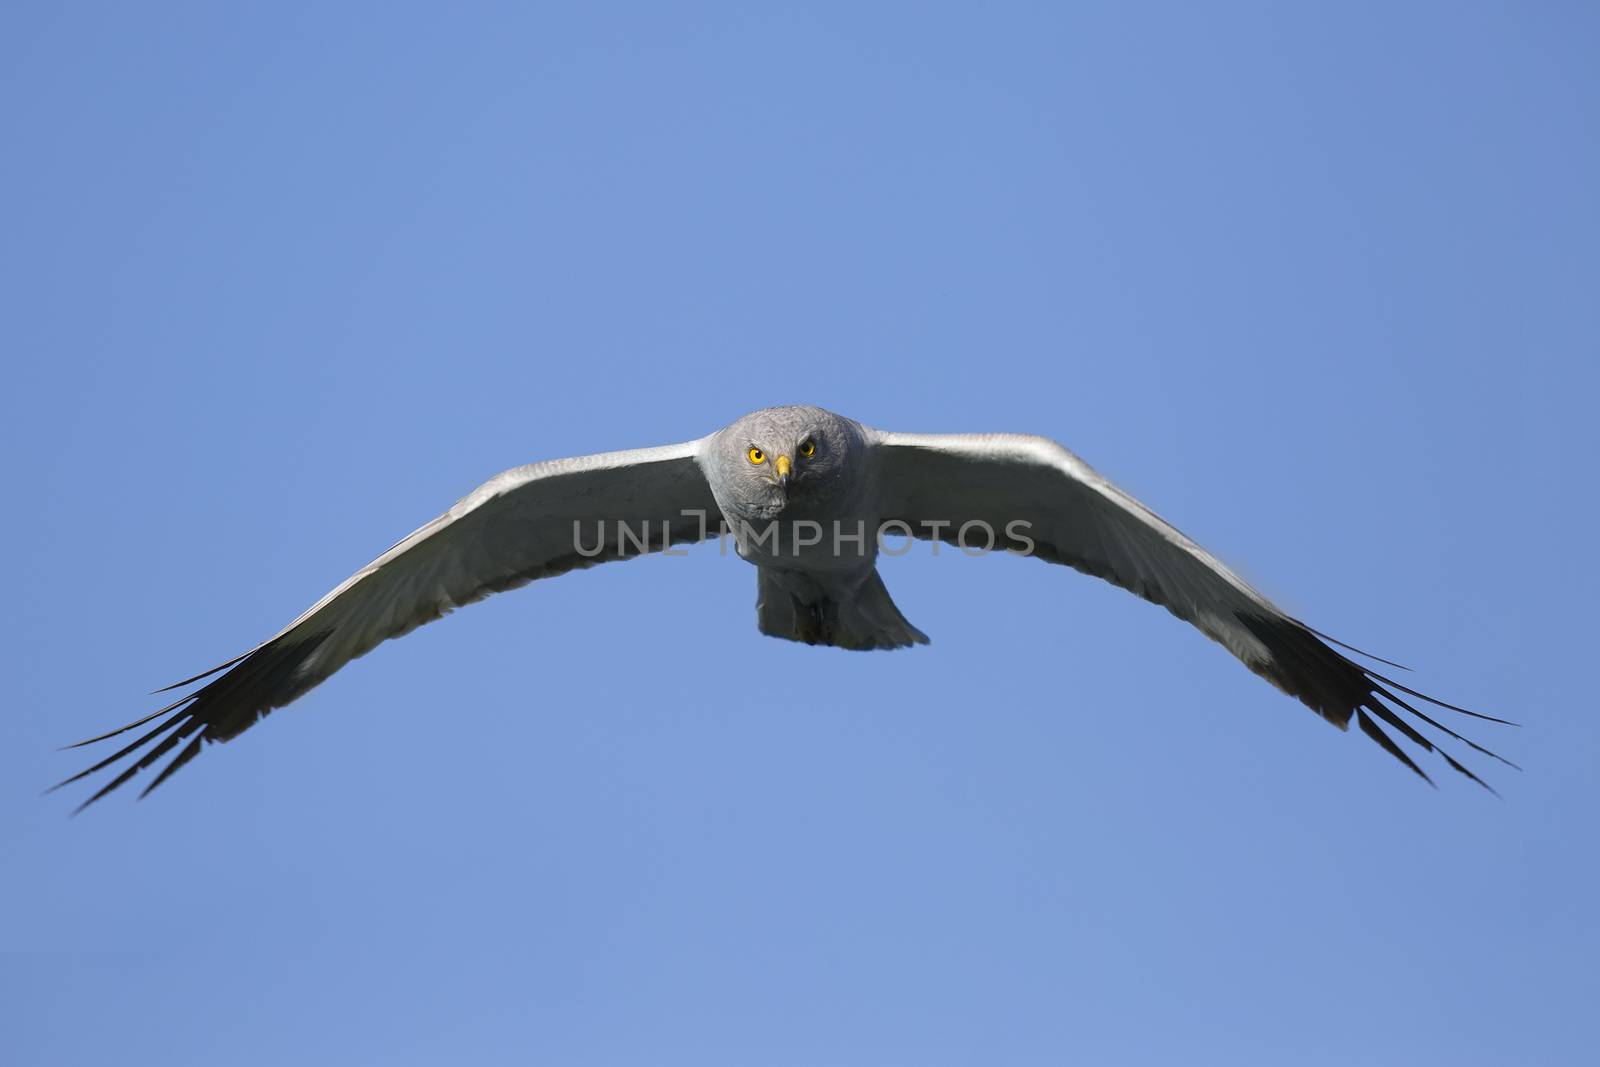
1437, 725
132, 725
263, 679
1336, 687
166, 745
125, 750
1457, 766
214, 670
1440, 703
1350, 648
188, 753
1416, 737
1374, 731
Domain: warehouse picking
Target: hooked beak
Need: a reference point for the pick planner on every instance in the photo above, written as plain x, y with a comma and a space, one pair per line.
783, 467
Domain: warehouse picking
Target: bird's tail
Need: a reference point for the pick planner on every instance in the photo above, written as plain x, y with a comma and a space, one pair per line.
798, 608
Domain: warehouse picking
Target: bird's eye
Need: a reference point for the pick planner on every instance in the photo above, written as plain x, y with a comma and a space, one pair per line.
808, 448
757, 456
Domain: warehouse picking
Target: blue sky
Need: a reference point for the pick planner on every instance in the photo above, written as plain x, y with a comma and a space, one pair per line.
281, 282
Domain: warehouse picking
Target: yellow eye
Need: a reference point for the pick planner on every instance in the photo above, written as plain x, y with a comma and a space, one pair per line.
757, 456
808, 448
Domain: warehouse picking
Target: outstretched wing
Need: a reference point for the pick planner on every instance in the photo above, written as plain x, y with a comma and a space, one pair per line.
937, 482
531, 522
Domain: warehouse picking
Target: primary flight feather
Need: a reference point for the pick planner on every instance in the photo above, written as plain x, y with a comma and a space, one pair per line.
804, 493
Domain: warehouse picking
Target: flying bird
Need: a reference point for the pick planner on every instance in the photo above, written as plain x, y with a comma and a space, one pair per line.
807, 496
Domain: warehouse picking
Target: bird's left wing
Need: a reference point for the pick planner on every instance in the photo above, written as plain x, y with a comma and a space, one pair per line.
530, 522
936, 483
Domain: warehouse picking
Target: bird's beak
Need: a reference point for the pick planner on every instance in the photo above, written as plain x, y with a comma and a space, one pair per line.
783, 466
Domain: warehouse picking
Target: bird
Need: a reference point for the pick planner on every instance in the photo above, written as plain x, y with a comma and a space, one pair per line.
812, 499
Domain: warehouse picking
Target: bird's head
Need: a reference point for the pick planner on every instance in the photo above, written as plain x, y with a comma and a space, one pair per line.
777, 455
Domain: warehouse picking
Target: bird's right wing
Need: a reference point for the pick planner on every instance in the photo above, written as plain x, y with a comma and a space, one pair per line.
935, 483
531, 522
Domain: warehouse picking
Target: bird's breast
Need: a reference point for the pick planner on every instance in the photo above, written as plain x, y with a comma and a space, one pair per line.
806, 539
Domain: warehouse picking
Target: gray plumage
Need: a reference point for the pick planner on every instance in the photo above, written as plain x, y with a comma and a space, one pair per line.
776, 479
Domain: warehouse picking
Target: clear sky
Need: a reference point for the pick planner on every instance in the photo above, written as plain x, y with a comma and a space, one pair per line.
1317, 282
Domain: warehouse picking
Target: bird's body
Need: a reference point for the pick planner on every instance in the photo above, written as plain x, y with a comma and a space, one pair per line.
806, 496
814, 541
